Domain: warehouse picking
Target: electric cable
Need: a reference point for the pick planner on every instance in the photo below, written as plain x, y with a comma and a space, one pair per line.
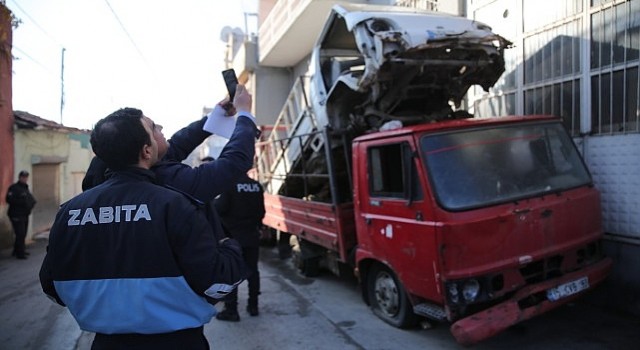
127, 33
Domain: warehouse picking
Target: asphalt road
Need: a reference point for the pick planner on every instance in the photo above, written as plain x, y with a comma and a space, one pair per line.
302, 313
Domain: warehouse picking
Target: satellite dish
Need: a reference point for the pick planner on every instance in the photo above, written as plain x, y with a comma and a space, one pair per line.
225, 33
238, 32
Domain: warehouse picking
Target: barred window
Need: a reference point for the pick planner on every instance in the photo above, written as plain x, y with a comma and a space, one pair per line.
554, 11
553, 53
560, 99
615, 45
552, 60
495, 106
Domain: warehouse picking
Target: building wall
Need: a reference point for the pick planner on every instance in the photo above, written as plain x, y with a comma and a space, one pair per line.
6, 123
57, 161
271, 86
614, 162
80, 155
264, 8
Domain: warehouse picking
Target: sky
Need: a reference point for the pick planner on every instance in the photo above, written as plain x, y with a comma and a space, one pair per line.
163, 57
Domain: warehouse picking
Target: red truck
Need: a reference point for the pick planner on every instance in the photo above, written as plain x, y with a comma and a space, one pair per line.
482, 223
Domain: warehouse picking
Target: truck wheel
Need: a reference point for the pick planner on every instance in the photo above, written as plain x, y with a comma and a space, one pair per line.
308, 266
388, 299
284, 245
268, 236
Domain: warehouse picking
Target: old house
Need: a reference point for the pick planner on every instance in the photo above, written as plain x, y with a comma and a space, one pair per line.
57, 158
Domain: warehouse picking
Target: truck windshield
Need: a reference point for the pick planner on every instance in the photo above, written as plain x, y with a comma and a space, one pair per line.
480, 167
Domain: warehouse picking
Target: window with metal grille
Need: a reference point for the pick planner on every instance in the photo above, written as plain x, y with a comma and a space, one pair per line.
615, 47
551, 51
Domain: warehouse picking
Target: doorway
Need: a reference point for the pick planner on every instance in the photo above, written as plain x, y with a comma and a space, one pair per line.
46, 189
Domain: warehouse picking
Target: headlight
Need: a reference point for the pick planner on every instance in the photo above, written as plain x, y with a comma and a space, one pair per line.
379, 25
453, 292
470, 290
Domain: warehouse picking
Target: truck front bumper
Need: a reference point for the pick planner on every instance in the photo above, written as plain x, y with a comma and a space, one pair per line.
494, 320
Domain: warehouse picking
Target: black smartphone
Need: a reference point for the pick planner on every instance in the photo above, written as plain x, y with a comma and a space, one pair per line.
231, 80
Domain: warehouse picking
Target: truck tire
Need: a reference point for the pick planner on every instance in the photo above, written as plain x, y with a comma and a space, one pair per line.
309, 266
284, 245
268, 236
387, 298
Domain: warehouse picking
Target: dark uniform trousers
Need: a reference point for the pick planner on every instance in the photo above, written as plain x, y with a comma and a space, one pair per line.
192, 339
251, 256
20, 225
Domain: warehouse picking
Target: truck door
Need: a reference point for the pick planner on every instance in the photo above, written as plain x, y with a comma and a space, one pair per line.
394, 217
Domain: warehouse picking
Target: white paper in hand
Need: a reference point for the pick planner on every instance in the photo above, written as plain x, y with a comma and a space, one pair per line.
218, 123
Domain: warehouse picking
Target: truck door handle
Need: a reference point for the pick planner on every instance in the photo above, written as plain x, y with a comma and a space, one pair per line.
367, 221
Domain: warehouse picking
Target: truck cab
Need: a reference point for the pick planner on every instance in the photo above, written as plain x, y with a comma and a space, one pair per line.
495, 218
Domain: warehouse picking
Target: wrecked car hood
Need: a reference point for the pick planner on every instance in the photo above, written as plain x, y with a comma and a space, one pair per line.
402, 63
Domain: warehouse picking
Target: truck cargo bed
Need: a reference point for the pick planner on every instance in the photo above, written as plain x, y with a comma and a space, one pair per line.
324, 224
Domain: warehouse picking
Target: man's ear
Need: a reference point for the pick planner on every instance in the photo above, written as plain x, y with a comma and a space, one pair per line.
146, 153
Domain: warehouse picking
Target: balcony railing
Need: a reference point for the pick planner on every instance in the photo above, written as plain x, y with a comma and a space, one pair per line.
430, 5
275, 23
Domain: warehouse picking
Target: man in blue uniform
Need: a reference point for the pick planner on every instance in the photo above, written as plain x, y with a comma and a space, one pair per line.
241, 210
134, 262
208, 180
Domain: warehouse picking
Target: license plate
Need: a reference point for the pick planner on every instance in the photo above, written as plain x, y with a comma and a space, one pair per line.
569, 288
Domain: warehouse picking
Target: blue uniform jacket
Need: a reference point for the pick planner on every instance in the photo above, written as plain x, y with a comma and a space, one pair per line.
129, 256
209, 179
204, 182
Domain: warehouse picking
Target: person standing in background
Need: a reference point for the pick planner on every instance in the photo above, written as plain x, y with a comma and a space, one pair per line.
21, 202
241, 210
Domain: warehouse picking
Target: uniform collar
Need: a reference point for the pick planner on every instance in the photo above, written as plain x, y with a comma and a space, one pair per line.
22, 184
135, 173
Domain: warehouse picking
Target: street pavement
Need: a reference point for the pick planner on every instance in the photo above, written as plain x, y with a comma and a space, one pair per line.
302, 313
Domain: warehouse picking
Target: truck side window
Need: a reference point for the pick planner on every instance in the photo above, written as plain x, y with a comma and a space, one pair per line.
386, 173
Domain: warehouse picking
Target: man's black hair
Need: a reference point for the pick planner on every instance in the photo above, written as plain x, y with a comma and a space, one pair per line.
118, 138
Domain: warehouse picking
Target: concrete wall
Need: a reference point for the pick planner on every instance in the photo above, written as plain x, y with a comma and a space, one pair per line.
271, 86
614, 163
80, 155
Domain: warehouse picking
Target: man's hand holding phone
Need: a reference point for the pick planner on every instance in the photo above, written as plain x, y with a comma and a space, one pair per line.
242, 101
228, 107
238, 94
221, 120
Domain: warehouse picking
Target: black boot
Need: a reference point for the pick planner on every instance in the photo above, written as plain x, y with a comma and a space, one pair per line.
252, 306
228, 315
253, 310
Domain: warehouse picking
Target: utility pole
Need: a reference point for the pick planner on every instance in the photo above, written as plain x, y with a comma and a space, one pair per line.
62, 86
